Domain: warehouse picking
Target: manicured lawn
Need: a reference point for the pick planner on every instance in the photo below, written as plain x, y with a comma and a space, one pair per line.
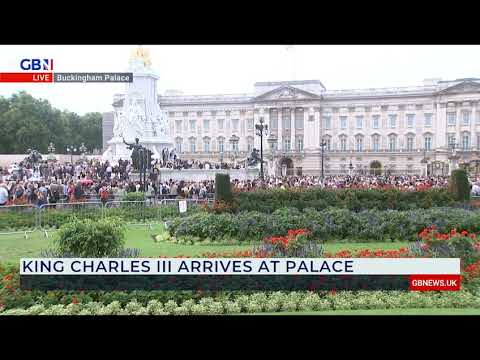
15, 246
426, 311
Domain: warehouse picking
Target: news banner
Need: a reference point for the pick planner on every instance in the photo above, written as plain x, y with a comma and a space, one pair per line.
50, 77
415, 274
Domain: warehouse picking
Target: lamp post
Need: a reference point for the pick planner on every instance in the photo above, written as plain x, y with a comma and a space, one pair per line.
323, 144
83, 150
425, 162
261, 130
350, 167
70, 150
453, 157
51, 151
273, 142
234, 139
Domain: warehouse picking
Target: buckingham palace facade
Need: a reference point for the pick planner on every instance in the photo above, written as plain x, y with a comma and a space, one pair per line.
426, 129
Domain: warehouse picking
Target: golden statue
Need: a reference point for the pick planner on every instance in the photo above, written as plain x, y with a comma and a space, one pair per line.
143, 54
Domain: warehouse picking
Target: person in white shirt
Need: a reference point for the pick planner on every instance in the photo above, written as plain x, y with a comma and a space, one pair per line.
3, 194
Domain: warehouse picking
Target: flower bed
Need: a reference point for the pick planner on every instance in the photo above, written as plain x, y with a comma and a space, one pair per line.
191, 302
263, 302
331, 224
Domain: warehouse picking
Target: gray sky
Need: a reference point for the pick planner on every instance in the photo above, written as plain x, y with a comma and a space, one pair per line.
212, 69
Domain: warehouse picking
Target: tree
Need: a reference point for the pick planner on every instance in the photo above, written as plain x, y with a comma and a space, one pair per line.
27, 122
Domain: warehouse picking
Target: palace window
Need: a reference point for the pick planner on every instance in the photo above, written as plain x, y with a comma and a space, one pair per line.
392, 142
178, 146
359, 122
451, 118
286, 118
466, 118
393, 121
206, 145
249, 144
428, 120
221, 145
273, 119
235, 146
451, 139
178, 125
410, 143
220, 124
410, 120
428, 143
376, 142
359, 143
328, 142
466, 141
286, 144
327, 122
235, 124
193, 144
299, 118
193, 125
343, 122
299, 143
343, 143
376, 121
206, 125
478, 142
250, 124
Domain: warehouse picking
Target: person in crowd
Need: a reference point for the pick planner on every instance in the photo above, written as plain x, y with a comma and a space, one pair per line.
3, 194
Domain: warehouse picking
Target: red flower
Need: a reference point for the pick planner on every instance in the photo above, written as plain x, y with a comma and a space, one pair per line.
74, 300
8, 277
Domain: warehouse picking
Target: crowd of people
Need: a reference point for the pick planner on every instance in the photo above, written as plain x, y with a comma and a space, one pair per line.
406, 183
50, 183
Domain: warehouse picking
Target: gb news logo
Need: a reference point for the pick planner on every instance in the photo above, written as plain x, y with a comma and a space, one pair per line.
36, 64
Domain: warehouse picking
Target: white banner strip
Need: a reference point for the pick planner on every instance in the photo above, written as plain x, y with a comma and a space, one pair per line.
239, 266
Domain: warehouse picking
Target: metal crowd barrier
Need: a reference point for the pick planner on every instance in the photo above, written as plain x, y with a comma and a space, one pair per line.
48, 217
141, 211
28, 222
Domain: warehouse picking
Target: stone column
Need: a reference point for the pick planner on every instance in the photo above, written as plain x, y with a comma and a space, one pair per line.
292, 128
458, 134
440, 126
280, 129
473, 125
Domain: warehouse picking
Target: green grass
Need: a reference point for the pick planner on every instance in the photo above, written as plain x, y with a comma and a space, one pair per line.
15, 246
426, 311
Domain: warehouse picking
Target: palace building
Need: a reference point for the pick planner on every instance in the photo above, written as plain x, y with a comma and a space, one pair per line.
431, 128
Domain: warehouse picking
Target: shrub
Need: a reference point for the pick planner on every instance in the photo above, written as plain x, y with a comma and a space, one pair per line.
89, 238
223, 188
134, 196
459, 185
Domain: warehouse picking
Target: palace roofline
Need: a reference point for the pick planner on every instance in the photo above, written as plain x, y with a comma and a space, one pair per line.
327, 94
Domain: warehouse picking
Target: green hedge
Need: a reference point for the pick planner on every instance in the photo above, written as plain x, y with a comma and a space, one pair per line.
326, 225
459, 185
268, 201
223, 188
54, 218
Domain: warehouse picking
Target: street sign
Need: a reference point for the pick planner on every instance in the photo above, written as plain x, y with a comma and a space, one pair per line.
182, 206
